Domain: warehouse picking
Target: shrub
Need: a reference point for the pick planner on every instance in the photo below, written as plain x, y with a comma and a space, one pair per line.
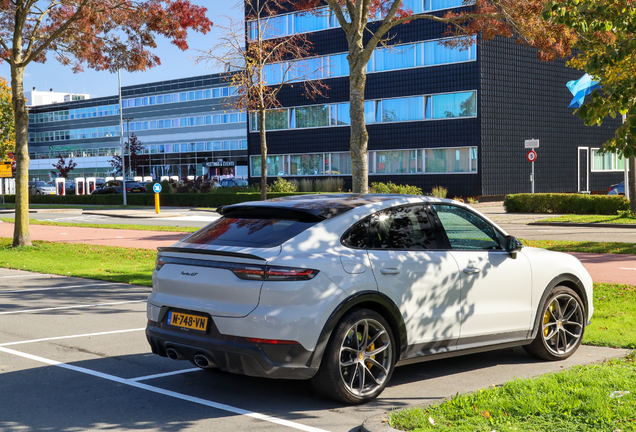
176, 200
281, 185
392, 188
565, 203
439, 192
329, 184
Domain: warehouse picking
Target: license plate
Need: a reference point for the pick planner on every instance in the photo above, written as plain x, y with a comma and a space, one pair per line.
135, 190
193, 322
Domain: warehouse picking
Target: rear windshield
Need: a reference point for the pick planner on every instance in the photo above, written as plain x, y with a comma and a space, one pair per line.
247, 232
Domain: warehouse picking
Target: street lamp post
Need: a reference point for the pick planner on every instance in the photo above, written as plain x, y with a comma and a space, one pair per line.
128, 119
121, 140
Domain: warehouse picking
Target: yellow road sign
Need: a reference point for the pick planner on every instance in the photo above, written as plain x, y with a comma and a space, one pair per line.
5, 170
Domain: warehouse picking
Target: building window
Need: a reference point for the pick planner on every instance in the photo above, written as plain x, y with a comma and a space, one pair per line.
607, 161
415, 108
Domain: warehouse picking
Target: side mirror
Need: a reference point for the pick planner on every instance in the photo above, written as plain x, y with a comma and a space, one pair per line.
513, 245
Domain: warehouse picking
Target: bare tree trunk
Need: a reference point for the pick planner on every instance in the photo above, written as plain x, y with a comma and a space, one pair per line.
631, 178
21, 233
359, 137
262, 135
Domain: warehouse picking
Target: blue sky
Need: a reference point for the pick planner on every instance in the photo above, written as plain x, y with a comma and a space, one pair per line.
174, 63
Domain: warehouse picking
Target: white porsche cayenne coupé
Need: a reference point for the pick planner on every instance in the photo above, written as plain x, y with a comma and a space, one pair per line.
340, 289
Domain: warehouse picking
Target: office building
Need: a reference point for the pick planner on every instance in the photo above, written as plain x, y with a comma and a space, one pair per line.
436, 116
189, 128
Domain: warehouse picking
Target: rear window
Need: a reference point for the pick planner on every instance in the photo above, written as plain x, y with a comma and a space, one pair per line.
248, 232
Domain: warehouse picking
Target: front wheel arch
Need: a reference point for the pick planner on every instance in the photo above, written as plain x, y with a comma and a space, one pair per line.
374, 301
568, 280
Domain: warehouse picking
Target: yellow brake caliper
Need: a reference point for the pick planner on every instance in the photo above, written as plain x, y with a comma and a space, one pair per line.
546, 319
369, 349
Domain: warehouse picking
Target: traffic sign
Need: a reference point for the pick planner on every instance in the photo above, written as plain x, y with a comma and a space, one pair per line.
5, 170
533, 143
156, 188
532, 156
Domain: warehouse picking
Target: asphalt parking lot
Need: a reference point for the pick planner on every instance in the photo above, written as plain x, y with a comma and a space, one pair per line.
74, 357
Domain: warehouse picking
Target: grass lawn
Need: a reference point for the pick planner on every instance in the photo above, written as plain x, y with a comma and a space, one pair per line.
575, 400
107, 263
577, 246
601, 219
111, 226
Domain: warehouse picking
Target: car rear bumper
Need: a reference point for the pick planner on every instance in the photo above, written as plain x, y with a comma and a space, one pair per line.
232, 354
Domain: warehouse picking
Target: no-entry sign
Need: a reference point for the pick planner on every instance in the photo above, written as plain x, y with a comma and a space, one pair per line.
532, 156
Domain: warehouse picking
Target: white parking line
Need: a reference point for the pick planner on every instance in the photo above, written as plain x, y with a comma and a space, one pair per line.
165, 392
627, 268
70, 337
55, 288
149, 377
68, 307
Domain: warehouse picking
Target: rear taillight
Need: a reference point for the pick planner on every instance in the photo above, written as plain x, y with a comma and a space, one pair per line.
273, 273
159, 263
244, 271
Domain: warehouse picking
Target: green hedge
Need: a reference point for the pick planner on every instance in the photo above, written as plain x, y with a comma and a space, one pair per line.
169, 200
565, 203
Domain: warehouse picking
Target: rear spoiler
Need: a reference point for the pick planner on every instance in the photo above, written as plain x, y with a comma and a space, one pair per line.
209, 252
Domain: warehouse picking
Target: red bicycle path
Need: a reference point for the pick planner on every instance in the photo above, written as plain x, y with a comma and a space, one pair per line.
609, 268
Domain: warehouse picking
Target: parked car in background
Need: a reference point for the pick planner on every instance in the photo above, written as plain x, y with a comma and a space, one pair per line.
617, 189
41, 188
341, 288
69, 186
239, 183
116, 187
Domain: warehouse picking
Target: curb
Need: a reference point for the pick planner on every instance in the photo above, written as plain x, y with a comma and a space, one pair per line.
377, 423
584, 225
133, 216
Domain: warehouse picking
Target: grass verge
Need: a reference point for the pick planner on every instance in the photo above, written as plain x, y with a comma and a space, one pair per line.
614, 320
108, 263
599, 219
581, 399
576, 246
110, 226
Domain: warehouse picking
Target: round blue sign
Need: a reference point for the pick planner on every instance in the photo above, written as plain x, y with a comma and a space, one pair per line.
156, 187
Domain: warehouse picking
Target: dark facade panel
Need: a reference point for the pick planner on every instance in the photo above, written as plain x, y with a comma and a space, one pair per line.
522, 98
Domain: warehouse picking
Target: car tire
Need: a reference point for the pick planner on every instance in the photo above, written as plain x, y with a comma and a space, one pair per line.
354, 369
38, 193
561, 327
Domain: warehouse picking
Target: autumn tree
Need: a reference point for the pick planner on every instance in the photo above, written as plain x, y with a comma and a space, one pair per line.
7, 121
261, 67
101, 34
63, 167
368, 23
607, 42
133, 157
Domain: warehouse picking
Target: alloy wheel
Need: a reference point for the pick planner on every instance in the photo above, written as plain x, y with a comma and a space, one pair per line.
365, 357
563, 324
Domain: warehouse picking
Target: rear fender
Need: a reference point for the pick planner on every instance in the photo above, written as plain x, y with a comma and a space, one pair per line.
365, 299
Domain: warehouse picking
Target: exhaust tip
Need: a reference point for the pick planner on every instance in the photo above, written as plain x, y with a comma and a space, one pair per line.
202, 361
173, 354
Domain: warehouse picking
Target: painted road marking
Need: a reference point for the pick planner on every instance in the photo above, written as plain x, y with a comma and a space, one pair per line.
55, 288
71, 337
149, 377
69, 307
627, 268
165, 392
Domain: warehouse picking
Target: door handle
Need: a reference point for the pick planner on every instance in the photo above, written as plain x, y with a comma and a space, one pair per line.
471, 270
389, 271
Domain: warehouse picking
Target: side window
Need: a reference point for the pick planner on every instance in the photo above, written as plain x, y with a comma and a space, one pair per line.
466, 230
402, 228
357, 236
